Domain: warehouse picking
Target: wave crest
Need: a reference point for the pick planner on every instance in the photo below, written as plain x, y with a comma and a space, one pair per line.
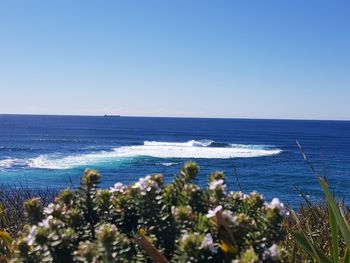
9, 163
203, 149
191, 143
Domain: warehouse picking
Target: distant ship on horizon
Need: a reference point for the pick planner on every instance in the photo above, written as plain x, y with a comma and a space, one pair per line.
111, 116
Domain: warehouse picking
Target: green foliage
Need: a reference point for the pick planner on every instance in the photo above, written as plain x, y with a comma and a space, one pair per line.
5, 241
150, 220
335, 221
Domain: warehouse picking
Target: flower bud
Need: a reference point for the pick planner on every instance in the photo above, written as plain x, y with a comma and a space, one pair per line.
33, 210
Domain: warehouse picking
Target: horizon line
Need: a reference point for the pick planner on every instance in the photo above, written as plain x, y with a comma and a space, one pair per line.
174, 117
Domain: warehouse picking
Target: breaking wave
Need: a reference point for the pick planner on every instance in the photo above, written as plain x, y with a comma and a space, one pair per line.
9, 163
205, 149
191, 143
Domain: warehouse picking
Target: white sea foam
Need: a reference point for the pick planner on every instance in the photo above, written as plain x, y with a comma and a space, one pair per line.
9, 162
191, 150
251, 146
191, 143
170, 151
71, 161
168, 164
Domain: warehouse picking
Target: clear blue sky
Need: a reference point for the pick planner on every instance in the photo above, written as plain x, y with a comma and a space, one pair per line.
258, 59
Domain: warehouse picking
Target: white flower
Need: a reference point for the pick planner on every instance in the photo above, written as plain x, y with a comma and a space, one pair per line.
256, 193
208, 243
276, 204
263, 245
51, 208
46, 222
110, 227
30, 239
173, 210
153, 185
230, 217
212, 213
184, 237
216, 183
145, 185
239, 195
273, 251
193, 188
117, 188
142, 184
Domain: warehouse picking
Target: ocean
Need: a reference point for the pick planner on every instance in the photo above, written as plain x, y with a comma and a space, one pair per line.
53, 151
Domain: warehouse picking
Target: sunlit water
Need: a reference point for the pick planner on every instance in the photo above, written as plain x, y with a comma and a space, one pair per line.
52, 151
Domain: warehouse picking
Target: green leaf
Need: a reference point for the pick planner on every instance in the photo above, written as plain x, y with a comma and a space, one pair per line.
347, 256
334, 233
341, 222
303, 242
293, 260
336, 213
6, 238
312, 250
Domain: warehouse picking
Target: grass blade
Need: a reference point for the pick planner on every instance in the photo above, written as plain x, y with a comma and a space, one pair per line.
312, 250
341, 222
347, 256
150, 249
334, 233
7, 240
293, 260
331, 203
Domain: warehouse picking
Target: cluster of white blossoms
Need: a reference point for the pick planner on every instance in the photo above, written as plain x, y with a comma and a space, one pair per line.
276, 204
192, 187
230, 217
217, 184
46, 222
175, 210
239, 195
271, 252
146, 184
30, 238
112, 229
51, 208
184, 237
213, 212
208, 243
226, 214
117, 188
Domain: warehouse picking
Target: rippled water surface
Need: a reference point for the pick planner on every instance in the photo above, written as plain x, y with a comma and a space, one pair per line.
49, 151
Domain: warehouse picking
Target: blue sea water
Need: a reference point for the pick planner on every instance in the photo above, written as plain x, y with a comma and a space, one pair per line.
52, 151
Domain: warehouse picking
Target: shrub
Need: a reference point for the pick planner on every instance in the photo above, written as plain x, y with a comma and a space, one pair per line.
150, 220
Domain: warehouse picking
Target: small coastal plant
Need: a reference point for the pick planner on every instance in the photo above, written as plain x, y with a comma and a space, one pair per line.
151, 221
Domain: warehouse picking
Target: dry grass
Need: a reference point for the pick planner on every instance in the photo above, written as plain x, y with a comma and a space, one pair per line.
11, 200
313, 220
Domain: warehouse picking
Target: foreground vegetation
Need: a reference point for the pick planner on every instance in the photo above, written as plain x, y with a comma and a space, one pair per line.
151, 221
